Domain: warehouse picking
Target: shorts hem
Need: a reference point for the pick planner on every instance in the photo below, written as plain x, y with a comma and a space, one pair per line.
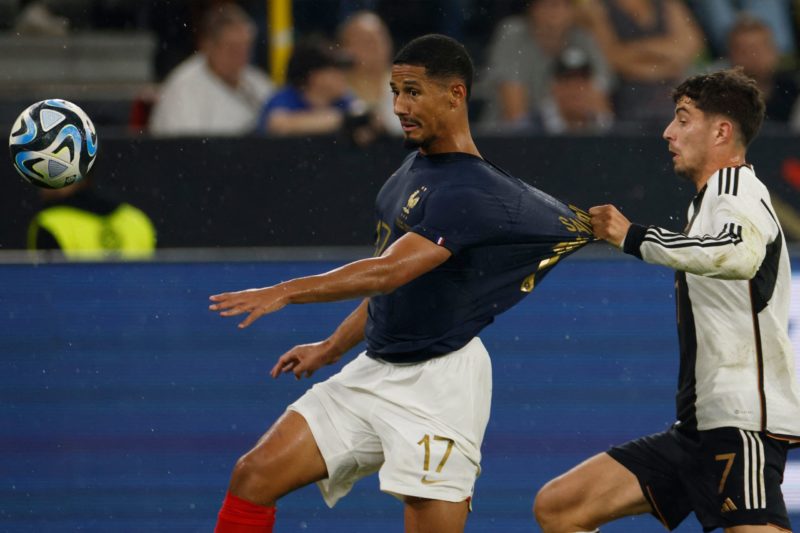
400, 492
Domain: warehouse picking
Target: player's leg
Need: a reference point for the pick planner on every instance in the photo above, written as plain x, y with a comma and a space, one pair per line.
285, 458
593, 493
435, 516
640, 476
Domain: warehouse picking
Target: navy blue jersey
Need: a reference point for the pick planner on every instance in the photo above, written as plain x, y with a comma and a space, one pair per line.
504, 236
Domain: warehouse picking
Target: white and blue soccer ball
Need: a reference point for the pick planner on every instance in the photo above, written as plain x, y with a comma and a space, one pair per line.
53, 144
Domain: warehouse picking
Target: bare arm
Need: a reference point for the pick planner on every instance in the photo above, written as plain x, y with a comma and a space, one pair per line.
408, 258
305, 359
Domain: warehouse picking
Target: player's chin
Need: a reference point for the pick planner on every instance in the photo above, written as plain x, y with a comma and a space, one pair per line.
411, 142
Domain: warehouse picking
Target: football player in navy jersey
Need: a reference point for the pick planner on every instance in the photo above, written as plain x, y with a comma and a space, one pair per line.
458, 241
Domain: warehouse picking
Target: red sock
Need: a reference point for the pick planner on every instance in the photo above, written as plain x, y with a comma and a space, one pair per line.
241, 516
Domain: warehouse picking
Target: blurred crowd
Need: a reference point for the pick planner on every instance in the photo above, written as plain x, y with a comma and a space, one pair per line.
543, 66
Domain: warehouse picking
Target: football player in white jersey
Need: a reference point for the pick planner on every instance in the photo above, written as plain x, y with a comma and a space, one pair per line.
738, 401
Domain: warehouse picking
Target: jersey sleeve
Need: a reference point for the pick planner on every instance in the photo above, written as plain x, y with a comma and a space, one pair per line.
460, 217
743, 226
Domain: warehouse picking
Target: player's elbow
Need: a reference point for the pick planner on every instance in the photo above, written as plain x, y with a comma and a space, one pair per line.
388, 277
746, 272
740, 264
388, 281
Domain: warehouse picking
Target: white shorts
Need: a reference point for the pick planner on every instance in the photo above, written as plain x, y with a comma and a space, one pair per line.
420, 425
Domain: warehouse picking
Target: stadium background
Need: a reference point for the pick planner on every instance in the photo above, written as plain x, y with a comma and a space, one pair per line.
125, 401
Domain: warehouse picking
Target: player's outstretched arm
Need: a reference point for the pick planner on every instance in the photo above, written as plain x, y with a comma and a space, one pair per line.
735, 250
408, 258
305, 359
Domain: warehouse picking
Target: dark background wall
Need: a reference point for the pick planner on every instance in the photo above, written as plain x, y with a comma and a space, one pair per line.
320, 191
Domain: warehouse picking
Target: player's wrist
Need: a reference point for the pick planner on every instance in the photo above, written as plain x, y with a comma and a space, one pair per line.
634, 238
333, 349
288, 292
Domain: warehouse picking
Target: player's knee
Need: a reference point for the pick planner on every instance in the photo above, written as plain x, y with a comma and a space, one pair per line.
543, 507
548, 507
250, 480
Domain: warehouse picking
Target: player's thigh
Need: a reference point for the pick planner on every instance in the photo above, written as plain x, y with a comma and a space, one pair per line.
285, 458
435, 516
595, 492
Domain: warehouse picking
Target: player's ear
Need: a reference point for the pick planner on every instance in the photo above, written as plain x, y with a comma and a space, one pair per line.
724, 131
458, 94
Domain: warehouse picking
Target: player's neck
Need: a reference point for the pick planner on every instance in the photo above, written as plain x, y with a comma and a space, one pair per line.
726, 160
461, 141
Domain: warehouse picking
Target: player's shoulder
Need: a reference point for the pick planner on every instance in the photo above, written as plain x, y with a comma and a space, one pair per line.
735, 181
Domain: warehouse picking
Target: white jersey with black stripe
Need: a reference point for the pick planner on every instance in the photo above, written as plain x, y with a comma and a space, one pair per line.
733, 288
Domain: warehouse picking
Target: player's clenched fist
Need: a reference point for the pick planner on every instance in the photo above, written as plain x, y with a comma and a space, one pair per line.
609, 224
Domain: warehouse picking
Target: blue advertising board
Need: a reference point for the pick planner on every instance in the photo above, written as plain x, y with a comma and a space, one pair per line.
124, 402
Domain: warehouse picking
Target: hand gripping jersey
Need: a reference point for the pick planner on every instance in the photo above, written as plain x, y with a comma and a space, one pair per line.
733, 287
504, 235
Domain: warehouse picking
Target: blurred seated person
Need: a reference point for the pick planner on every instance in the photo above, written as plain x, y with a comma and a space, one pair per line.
575, 105
316, 98
751, 46
521, 57
216, 91
718, 17
86, 226
650, 44
365, 38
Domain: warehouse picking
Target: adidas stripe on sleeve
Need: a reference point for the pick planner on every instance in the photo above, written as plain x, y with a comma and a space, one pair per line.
733, 240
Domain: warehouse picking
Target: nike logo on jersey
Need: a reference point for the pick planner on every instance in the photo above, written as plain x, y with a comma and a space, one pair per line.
426, 481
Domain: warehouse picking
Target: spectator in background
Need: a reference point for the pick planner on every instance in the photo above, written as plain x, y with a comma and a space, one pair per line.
216, 91
520, 65
649, 44
752, 47
365, 38
316, 99
718, 17
575, 105
85, 225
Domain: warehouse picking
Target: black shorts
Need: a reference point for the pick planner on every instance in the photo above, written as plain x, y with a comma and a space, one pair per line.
727, 476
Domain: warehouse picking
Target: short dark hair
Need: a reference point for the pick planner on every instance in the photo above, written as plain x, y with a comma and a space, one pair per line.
730, 93
442, 57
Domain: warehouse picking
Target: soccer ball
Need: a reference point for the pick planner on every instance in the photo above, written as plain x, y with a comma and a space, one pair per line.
53, 143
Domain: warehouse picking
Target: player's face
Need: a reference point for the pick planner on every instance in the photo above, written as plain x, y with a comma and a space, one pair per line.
422, 104
690, 135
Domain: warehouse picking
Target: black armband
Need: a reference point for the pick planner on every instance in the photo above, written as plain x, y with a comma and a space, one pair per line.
634, 239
